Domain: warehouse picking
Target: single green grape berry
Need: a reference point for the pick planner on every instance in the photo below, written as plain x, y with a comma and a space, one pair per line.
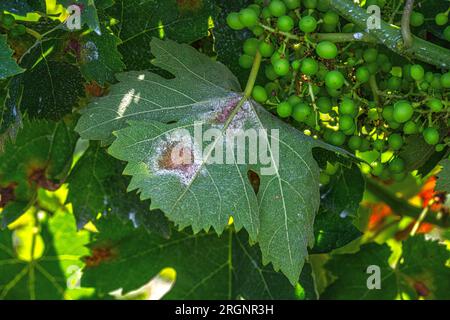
292, 4
337, 138
439, 147
20, 29
285, 23
251, 46
447, 33
331, 169
309, 66
379, 145
276, 56
388, 113
362, 74
327, 50
324, 104
445, 80
281, 67
373, 114
296, 64
403, 111
370, 55
272, 89
8, 20
266, 13
355, 142
417, 72
331, 18
394, 83
429, 76
284, 110
346, 122
424, 86
394, 125
234, 22
259, 94
277, 8
365, 145
266, 49
377, 168
395, 141
301, 112
397, 165
246, 61
435, 105
348, 107
417, 19
410, 127
257, 30
255, 7
334, 92
310, 4
294, 100
323, 6
431, 135
441, 19
308, 24
248, 17
324, 179
270, 73
334, 80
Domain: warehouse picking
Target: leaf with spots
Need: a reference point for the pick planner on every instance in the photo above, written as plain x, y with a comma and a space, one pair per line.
8, 66
223, 267
39, 266
154, 118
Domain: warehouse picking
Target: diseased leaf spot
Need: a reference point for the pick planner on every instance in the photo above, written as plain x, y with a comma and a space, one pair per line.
7, 194
38, 177
254, 180
99, 255
189, 5
421, 289
176, 157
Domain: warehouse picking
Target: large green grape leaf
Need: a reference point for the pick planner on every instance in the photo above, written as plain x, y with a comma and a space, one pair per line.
8, 66
443, 182
422, 271
97, 186
207, 266
47, 274
40, 157
333, 227
100, 58
22, 7
280, 217
139, 21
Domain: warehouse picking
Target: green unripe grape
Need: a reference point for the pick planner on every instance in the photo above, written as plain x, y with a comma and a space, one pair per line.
354, 143
373, 114
435, 105
248, 17
334, 80
255, 7
266, 49
323, 6
271, 89
8, 20
447, 33
337, 138
410, 127
331, 18
19, 29
285, 23
377, 168
301, 112
251, 46
394, 125
309, 67
372, 67
281, 67
424, 86
324, 179
296, 64
370, 55
334, 92
394, 83
417, 72
388, 113
331, 170
429, 76
266, 13
348, 107
441, 19
365, 145
294, 100
310, 4
277, 8
395, 141
292, 4
311, 120
234, 22
436, 83
348, 28
431, 136
439, 147
346, 122
397, 165
445, 80
362, 74
276, 56
246, 61
417, 19
327, 50
284, 110
328, 28
270, 73
257, 30
379, 145
308, 24
259, 94
403, 111
324, 104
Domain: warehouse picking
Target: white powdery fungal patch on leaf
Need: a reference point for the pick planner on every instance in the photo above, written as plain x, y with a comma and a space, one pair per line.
89, 52
176, 154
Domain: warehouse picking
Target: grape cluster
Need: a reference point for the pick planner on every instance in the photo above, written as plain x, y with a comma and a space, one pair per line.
352, 94
8, 22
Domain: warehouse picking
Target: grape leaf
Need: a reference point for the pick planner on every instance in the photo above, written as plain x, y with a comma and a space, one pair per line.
8, 66
339, 205
443, 182
97, 186
45, 277
421, 272
40, 157
280, 217
139, 21
207, 267
22, 7
99, 57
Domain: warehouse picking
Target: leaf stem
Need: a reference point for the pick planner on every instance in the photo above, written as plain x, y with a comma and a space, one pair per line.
405, 24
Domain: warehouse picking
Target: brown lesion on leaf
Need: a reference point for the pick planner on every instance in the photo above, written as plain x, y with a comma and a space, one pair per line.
421, 289
226, 112
100, 255
189, 6
93, 89
176, 156
7, 194
254, 179
37, 176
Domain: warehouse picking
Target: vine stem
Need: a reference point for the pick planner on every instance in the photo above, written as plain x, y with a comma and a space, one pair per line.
405, 24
